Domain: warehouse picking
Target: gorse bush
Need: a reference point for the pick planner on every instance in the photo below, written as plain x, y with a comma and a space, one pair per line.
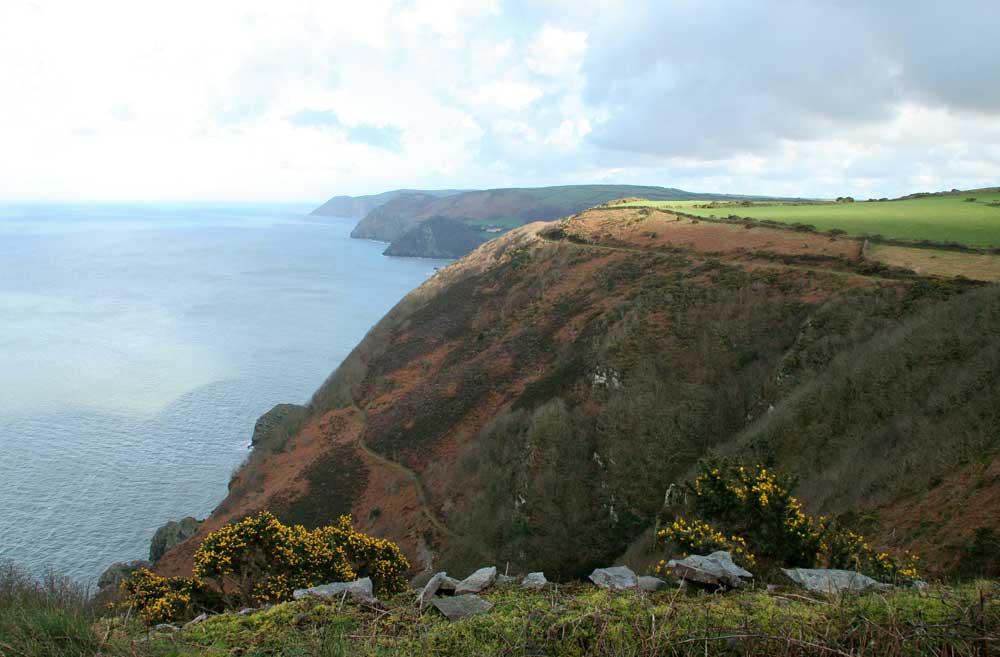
167, 599
259, 559
760, 518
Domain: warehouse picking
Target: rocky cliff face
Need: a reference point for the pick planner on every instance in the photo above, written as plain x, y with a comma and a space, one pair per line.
393, 219
438, 238
533, 402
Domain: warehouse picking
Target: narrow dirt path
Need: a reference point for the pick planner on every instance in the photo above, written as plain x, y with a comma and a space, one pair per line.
399, 467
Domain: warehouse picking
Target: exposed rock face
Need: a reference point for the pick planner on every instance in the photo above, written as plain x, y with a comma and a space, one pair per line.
651, 584
716, 569
271, 429
117, 572
822, 580
534, 581
392, 220
360, 590
461, 606
477, 581
617, 578
170, 534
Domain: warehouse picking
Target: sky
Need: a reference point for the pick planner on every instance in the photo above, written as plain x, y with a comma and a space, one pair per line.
256, 100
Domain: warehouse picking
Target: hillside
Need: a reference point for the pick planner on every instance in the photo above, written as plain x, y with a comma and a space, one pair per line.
533, 402
502, 209
437, 237
359, 206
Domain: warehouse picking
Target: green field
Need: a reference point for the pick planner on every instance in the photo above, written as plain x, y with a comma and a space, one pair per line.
938, 218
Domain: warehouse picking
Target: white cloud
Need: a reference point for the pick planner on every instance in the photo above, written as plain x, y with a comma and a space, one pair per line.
126, 100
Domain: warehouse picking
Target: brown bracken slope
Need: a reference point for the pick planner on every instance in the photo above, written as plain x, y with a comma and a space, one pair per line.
532, 402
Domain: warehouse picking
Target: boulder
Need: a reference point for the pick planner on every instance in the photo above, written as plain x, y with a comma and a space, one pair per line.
200, 618
652, 584
617, 578
120, 571
170, 534
246, 611
360, 590
477, 581
449, 584
431, 587
504, 579
534, 581
461, 606
824, 580
920, 585
716, 569
165, 627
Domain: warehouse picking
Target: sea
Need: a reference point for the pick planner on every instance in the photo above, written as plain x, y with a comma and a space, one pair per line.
138, 345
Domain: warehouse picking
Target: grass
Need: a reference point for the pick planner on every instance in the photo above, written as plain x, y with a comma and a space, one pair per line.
937, 262
937, 218
579, 620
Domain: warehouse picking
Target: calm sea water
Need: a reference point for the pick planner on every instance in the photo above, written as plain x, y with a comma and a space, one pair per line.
138, 345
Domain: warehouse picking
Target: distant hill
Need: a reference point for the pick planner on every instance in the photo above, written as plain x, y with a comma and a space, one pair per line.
359, 206
503, 209
438, 237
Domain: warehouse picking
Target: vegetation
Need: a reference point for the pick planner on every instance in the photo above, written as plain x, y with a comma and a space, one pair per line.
574, 620
940, 218
756, 508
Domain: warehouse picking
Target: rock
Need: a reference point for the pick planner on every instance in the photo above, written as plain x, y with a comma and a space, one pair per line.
461, 606
534, 581
165, 627
432, 586
449, 584
651, 584
717, 569
920, 585
120, 571
360, 590
170, 534
246, 611
477, 581
823, 580
618, 578
504, 579
200, 618
273, 428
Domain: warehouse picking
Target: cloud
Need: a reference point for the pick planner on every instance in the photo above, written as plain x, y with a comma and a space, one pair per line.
250, 100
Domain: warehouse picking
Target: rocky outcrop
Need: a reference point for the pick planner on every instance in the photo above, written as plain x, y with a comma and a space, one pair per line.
170, 534
360, 590
273, 428
393, 219
120, 571
716, 569
822, 580
617, 578
460, 606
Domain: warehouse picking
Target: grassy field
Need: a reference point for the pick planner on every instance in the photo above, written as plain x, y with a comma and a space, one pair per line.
938, 262
938, 218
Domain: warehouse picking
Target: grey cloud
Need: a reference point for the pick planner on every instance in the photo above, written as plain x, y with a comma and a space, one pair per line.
713, 79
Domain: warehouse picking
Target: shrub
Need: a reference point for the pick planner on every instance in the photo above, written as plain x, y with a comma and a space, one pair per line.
259, 559
757, 511
167, 599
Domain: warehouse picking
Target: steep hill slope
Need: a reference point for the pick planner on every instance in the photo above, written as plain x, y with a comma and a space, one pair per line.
359, 206
391, 220
506, 208
533, 402
437, 237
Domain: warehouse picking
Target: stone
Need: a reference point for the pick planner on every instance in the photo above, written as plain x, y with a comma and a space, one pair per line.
461, 606
165, 627
534, 581
200, 618
246, 611
716, 569
120, 571
920, 585
170, 534
503, 580
477, 581
431, 588
823, 580
617, 578
449, 584
360, 589
652, 584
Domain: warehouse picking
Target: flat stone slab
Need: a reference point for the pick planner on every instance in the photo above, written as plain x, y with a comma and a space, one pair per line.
617, 578
534, 581
652, 584
828, 580
460, 606
360, 589
477, 581
716, 569
432, 586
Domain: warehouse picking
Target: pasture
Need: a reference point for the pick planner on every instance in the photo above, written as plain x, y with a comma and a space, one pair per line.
937, 218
